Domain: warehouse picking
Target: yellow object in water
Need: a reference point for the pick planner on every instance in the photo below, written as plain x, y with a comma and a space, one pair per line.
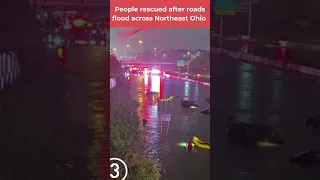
267, 144
200, 143
60, 52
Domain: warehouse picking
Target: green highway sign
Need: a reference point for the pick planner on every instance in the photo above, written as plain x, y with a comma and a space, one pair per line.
180, 63
225, 7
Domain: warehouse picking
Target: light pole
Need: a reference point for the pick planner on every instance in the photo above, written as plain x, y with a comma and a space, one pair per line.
128, 46
221, 28
140, 45
189, 59
250, 18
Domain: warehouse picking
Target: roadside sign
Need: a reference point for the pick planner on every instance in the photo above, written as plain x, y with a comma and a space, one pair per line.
225, 7
166, 117
180, 63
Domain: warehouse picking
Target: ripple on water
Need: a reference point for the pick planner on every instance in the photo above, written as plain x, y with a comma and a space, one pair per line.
99, 151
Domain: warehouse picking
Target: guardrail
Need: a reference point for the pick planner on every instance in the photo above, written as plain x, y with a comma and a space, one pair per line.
262, 60
9, 69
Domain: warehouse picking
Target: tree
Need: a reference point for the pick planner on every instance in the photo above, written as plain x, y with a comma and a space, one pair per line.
21, 33
146, 55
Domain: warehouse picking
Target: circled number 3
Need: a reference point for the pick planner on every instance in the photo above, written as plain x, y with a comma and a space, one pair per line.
115, 170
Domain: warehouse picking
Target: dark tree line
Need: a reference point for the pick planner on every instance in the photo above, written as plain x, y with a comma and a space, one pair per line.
20, 32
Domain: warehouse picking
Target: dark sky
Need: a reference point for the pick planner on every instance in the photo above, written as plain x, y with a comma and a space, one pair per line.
162, 39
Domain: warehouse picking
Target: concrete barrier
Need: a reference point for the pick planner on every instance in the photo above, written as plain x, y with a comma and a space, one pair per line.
190, 80
262, 60
9, 69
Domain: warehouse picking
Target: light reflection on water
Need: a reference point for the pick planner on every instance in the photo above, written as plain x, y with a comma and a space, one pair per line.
148, 110
245, 89
99, 150
161, 143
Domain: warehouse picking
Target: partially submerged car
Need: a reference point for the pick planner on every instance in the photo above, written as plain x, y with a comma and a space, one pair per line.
252, 135
312, 121
189, 104
205, 111
309, 158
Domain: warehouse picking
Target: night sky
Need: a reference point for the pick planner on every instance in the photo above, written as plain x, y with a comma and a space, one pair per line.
162, 39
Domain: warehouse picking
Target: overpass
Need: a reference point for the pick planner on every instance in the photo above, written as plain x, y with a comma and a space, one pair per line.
148, 63
90, 6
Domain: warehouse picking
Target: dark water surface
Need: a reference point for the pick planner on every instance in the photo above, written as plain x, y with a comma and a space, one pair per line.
162, 145
260, 94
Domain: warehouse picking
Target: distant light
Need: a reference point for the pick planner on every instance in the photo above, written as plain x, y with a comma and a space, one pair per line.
198, 75
155, 71
79, 22
182, 144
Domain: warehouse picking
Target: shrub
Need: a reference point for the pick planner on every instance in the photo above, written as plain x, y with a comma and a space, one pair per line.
141, 167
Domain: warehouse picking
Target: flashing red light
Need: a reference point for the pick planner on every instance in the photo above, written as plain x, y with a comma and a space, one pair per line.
198, 76
134, 68
129, 78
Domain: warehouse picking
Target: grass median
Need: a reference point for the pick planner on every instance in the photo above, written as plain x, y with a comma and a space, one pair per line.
126, 135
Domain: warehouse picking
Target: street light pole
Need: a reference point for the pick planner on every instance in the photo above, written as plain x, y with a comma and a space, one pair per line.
221, 29
250, 18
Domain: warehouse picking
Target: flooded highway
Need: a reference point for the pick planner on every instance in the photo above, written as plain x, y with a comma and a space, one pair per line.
163, 137
86, 66
251, 93
260, 94
87, 102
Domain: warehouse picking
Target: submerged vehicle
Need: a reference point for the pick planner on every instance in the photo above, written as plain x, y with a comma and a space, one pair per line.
205, 111
313, 121
135, 71
306, 158
189, 104
252, 135
199, 143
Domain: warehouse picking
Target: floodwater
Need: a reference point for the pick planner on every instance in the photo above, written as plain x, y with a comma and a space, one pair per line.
163, 137
261, 94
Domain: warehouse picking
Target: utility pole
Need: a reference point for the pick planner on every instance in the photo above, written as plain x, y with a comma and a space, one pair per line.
250, 18
221, 29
